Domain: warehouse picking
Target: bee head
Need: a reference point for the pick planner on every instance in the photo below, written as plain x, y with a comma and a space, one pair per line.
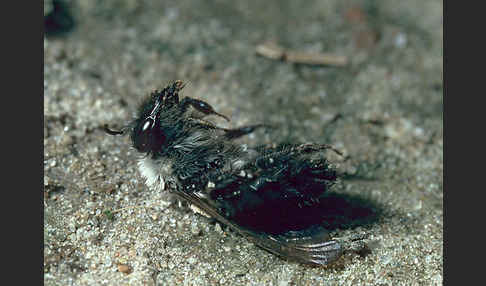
148, 132
148, 135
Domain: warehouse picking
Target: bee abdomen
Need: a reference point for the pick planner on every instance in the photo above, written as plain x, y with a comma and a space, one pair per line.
275, 196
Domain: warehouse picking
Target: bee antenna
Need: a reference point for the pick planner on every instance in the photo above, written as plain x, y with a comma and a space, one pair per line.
112, 132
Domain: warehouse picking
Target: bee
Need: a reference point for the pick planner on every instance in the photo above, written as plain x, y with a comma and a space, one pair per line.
265, 193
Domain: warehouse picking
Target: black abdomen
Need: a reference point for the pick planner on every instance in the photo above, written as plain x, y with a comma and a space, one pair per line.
278, 192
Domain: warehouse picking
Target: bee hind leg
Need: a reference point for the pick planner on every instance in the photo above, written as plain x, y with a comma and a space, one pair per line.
241, 131
311, 147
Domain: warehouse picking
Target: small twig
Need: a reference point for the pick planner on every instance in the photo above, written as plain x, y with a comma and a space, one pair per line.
274, 52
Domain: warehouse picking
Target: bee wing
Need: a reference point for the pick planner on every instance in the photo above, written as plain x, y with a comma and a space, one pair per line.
311, 246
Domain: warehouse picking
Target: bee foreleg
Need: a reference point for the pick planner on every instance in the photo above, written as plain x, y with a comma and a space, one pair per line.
200, 106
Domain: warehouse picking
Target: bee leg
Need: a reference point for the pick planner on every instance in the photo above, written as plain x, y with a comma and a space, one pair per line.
230, 133
241, 131
200, 106
311, 147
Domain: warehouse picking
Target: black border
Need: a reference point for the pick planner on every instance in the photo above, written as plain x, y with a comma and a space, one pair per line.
22, 92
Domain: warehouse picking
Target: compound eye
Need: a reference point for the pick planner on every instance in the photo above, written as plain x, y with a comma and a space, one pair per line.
149, 123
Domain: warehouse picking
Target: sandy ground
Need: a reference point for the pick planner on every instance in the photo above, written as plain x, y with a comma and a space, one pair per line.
102, 226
